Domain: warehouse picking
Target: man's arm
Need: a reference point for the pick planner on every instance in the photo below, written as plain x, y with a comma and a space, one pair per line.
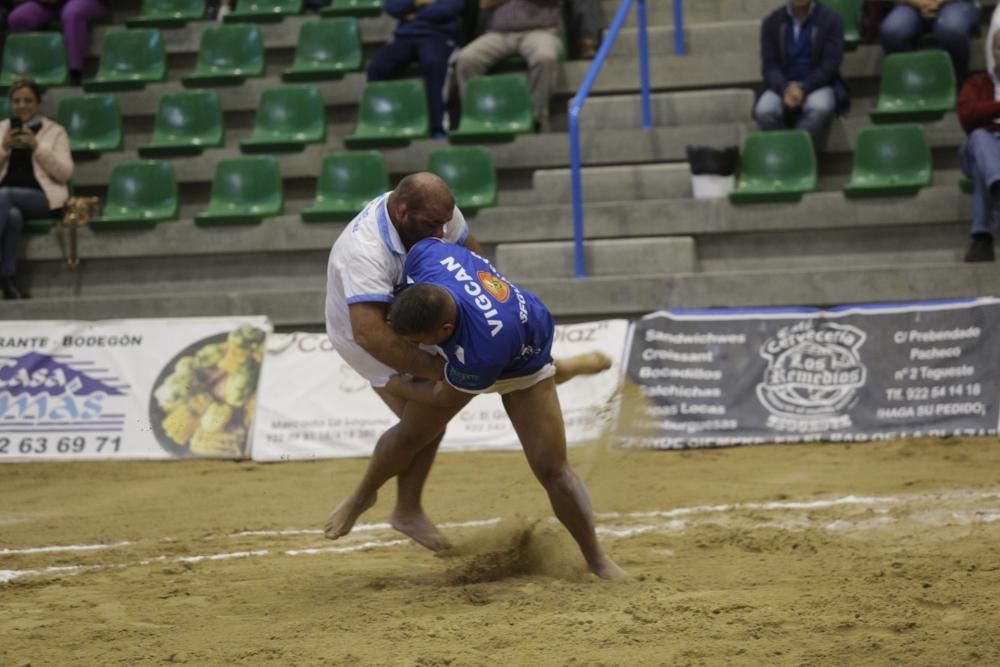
770, 60
473, 245
830, 57
373, 333
439, 394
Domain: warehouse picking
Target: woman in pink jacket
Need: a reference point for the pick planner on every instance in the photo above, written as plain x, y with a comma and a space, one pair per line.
35, 168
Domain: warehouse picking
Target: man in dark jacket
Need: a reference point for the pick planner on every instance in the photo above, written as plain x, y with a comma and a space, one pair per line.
801, 48
426, 34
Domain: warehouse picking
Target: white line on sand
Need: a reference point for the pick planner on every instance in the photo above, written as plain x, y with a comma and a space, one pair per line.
675, 525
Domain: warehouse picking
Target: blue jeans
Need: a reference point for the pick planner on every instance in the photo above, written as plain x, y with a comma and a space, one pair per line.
951, 28
16, 206
432, 53
817, 109
980, 160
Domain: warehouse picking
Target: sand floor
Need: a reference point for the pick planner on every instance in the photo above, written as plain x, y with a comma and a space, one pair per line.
870, 554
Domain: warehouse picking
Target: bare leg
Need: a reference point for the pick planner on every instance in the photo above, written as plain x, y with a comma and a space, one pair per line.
588, 363
537, 419
408, 517
394, 453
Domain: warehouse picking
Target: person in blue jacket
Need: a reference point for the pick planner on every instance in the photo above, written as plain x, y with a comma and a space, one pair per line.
495, 337
425, 34
801, 50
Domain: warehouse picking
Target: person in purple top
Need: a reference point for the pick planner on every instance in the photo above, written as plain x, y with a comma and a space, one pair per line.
75, 17
495, 337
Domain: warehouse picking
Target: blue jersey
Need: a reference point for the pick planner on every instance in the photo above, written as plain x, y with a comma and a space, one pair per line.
502, 331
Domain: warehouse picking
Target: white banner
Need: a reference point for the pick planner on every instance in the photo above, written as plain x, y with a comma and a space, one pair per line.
313, 405
129, 389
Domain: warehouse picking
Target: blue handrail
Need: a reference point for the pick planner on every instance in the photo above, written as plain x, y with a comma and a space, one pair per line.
576, 104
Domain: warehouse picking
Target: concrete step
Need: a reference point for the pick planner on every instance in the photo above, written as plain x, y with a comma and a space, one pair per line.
625, 183
302, 305
660, 255
702, 107
526, 152
543, 223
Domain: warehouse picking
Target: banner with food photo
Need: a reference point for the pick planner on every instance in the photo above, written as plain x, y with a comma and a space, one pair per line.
313, 405
129, 389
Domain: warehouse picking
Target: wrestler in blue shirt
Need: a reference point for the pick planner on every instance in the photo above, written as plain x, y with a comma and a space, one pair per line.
496, 337
490, 330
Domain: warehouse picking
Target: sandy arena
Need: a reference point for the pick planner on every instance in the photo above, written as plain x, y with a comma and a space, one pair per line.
873, 554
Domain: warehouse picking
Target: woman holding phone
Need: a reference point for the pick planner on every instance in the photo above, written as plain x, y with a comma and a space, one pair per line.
35, 168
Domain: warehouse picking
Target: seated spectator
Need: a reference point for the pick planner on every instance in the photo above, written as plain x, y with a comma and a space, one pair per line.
951, 21
425, 34
35, 168
801, 48
585, 27
979, 113
75, 17
527, 27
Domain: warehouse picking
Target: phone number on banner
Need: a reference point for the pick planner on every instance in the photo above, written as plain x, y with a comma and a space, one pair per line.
37, 444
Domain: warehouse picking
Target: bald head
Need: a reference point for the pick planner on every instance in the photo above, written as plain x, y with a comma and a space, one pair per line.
420, 207
423, 190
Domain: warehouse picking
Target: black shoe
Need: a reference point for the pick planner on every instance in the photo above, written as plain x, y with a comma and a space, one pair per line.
10, 291
981, 249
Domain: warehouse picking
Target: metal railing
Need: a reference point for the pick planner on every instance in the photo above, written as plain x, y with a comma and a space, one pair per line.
576, 104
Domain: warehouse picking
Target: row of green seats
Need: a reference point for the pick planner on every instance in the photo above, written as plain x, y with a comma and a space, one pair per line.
247, 190
497, 108
889, 160
176, 13
227, 54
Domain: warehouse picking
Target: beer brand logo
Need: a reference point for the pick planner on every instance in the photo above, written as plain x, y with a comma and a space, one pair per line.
813, 375
497, 288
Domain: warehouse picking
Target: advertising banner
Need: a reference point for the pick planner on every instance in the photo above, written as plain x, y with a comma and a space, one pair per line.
313, 405
129, 389
715, 378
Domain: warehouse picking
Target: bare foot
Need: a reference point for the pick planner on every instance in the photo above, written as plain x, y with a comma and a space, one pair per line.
342, 518
588, 363
420, 529
608, 569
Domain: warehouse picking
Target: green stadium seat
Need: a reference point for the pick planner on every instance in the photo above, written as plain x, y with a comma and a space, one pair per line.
186, 123
39, 226
4, 106
391, 113
850, 12
966, 185
916, 86
356, 8
775, 166
167, 13
287, 119
244, 192
469, 173
347, 181
129, 60
140, 195
263, 11
495, 108
326, 50
890, 160
93, 123
228, 55
38, 55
